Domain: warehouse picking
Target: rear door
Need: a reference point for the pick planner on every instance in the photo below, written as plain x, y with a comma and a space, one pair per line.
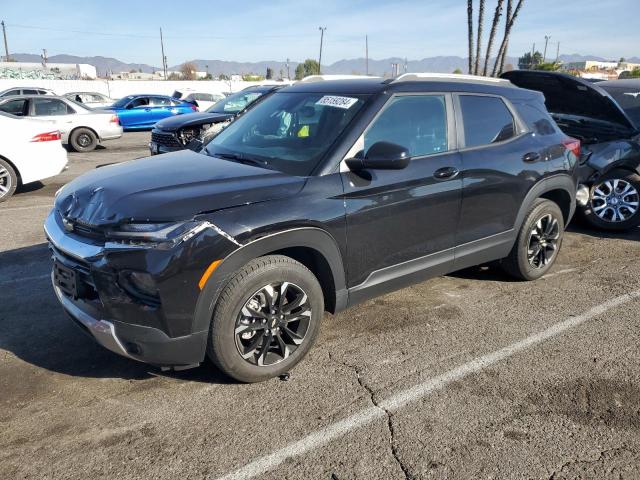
161, 107
403, 222
18, 107
48, 108
501, 161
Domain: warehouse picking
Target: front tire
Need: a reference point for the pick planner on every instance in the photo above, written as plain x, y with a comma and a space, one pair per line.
8, 180
266, 319
614, 202
538, 242
83, 140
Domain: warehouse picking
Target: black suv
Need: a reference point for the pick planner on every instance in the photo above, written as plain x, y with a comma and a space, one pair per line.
322, 196
188, 130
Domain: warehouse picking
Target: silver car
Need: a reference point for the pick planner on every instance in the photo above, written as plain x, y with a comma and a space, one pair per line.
82, 128
90, 99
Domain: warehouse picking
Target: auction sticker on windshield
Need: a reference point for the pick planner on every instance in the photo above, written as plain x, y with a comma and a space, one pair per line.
338, 102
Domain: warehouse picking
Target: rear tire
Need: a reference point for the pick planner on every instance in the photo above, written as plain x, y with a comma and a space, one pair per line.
538, 242
83, 140
599, 212
8, 180
257, 331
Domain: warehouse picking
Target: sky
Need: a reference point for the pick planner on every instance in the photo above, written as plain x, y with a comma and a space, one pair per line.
252, 30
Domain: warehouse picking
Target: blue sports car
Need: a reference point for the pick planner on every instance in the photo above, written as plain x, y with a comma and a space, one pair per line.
141, 112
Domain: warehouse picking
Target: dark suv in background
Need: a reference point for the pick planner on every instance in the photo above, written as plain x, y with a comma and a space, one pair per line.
323, 195
188, 131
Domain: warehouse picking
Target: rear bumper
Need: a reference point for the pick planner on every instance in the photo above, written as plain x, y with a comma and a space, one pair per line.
111, 133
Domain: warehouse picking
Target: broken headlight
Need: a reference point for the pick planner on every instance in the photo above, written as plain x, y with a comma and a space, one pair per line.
155, 233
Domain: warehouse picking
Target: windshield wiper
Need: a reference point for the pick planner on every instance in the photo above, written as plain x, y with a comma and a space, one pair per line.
236, 157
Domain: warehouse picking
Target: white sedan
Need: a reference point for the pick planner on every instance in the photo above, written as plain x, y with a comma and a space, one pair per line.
30, 150
90, 99
81, 127
201, 99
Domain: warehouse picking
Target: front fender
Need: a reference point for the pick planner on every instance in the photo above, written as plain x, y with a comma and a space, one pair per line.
309, 237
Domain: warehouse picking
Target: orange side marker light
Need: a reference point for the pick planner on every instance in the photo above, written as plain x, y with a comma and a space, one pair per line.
207, 273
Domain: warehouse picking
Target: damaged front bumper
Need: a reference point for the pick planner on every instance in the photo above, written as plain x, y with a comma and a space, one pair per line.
90, 285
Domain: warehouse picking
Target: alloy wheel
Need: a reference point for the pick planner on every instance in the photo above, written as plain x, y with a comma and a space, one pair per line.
272, 324
84, 140
615, 200
5, 181
543, 241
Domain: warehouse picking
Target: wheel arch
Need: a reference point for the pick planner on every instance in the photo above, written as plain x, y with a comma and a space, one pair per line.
560, 189
313, 247
15, 169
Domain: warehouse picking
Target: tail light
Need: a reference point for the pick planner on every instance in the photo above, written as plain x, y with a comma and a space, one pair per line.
573, 145
114, 119
47, 137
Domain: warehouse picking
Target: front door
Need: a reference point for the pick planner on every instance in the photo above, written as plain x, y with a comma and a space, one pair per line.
403, 222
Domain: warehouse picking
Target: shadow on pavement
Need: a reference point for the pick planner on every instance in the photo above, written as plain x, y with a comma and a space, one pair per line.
35, 329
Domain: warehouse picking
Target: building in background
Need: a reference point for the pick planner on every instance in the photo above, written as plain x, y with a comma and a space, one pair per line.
47, 71
595, 69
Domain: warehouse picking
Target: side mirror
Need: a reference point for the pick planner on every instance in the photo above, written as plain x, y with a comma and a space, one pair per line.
381, 156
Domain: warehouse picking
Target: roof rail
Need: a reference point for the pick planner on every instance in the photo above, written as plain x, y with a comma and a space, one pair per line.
425, 77
322, 78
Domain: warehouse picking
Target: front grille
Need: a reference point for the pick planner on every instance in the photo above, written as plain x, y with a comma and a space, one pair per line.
165, 139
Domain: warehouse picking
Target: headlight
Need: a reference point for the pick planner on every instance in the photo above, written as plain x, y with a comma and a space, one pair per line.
156, 233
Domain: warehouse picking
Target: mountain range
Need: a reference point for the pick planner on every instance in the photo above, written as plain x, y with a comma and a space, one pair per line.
441, 64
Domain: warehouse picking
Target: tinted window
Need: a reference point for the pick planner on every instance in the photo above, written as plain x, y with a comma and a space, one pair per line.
289, 132
486, 120
15, 107
41, 92
45, 106
416, 122
26, 91
139, 102
11, 92
122, 102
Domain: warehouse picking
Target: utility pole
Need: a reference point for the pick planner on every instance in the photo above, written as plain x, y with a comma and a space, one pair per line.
322, 29
533, 52
288, 72
366, 55
546, 42
6, 48
44, 57
164, 59
558, 53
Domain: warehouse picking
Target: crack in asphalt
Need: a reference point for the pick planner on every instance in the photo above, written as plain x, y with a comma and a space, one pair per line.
388, 413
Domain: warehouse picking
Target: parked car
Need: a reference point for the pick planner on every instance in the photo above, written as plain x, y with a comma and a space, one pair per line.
82, 128
141, 112
90, 99
30, 151
187, 131
609, 179
323, 195
201, 99
26, 91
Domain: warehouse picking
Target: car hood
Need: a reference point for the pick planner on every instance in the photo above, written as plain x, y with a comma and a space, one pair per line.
172, 124
170, 187
570, 95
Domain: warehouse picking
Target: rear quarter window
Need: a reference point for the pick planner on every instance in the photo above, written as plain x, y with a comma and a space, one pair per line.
537, 118
487, 120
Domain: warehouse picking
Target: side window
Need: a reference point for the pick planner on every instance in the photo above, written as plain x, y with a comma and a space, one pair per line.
486, 120
11, 92
139, 102
16, 107
416, 122
43, 107
28, 91
159, 102
41, 92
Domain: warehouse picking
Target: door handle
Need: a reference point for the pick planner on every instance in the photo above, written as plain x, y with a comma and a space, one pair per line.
531, 157
147, 109
446, 173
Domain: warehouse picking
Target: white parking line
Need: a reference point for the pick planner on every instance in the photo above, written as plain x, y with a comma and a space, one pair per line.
30, 207
322, 437
24, 279
560, 272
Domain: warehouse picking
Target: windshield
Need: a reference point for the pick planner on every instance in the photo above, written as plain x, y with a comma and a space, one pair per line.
288, 132
234, 103
629, 100
123, 102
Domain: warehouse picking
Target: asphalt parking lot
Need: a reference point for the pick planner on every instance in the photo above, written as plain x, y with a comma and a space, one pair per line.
467, 376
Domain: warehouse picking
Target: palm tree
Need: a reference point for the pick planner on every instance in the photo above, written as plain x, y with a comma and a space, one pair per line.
492, 35
501, 58
507, 32
470, 25
479, 41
